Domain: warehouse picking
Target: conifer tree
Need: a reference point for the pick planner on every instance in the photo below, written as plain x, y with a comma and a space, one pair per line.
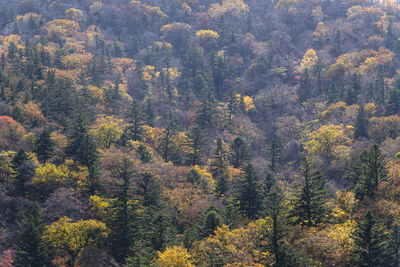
219, 168
239, 152
369, 242
361, 126
121, 225
44, 146
309, 205
211, 219
305, 89
275, 210
392, 247
25, 169
371, 172
249, 194
195, 143
275, 150
31, 250
135, 114
82, 148
166, 137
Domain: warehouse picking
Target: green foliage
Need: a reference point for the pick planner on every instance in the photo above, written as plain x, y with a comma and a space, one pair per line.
31, 250
249, 196
310, 203
44, 146
369, 246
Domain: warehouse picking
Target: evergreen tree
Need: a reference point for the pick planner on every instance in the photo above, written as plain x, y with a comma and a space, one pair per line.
393, 247
44, 146
122, 231
239, 152
205, 116
371, 173
31, 250
135, 114
309, 205
249, 194
196, 140
337, 43
219, 168
369, 243
393, 105
211, 219
166, 137
361, 126
149, 190
25, 169
305, 89
275, 150
82, 148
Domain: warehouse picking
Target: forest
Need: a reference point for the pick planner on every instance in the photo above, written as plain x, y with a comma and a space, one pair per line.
211, 133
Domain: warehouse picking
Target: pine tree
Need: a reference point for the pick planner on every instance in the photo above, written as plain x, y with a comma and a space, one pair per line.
393, 247
219, 168
149, 190
275, 210
166, 137
121, 225
369, 243
249, 194
305, 89
82, 148
239, 152
372, 172
337, 43
309, 205
275, 149
135, 114
211, 219
31, 251
44, 146
196, 140
361, 126
25, 169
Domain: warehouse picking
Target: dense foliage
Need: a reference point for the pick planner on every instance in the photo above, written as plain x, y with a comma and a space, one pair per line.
199, 133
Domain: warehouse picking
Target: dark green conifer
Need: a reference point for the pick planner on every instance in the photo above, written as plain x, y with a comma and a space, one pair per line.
309, 205
44, 146
249, 194
361, 126
369, 242
31, 250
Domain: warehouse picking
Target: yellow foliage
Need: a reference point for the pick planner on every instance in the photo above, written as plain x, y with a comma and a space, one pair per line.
49, 177
237, 8
95, 93
73, 61
320, 32
102, 207
72, 237
329, 141
175, 256
74, 14
187, 8
309, 60
60, 28
329, 246
107, 130
334, 110
207, 34
248, 103
13, 38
